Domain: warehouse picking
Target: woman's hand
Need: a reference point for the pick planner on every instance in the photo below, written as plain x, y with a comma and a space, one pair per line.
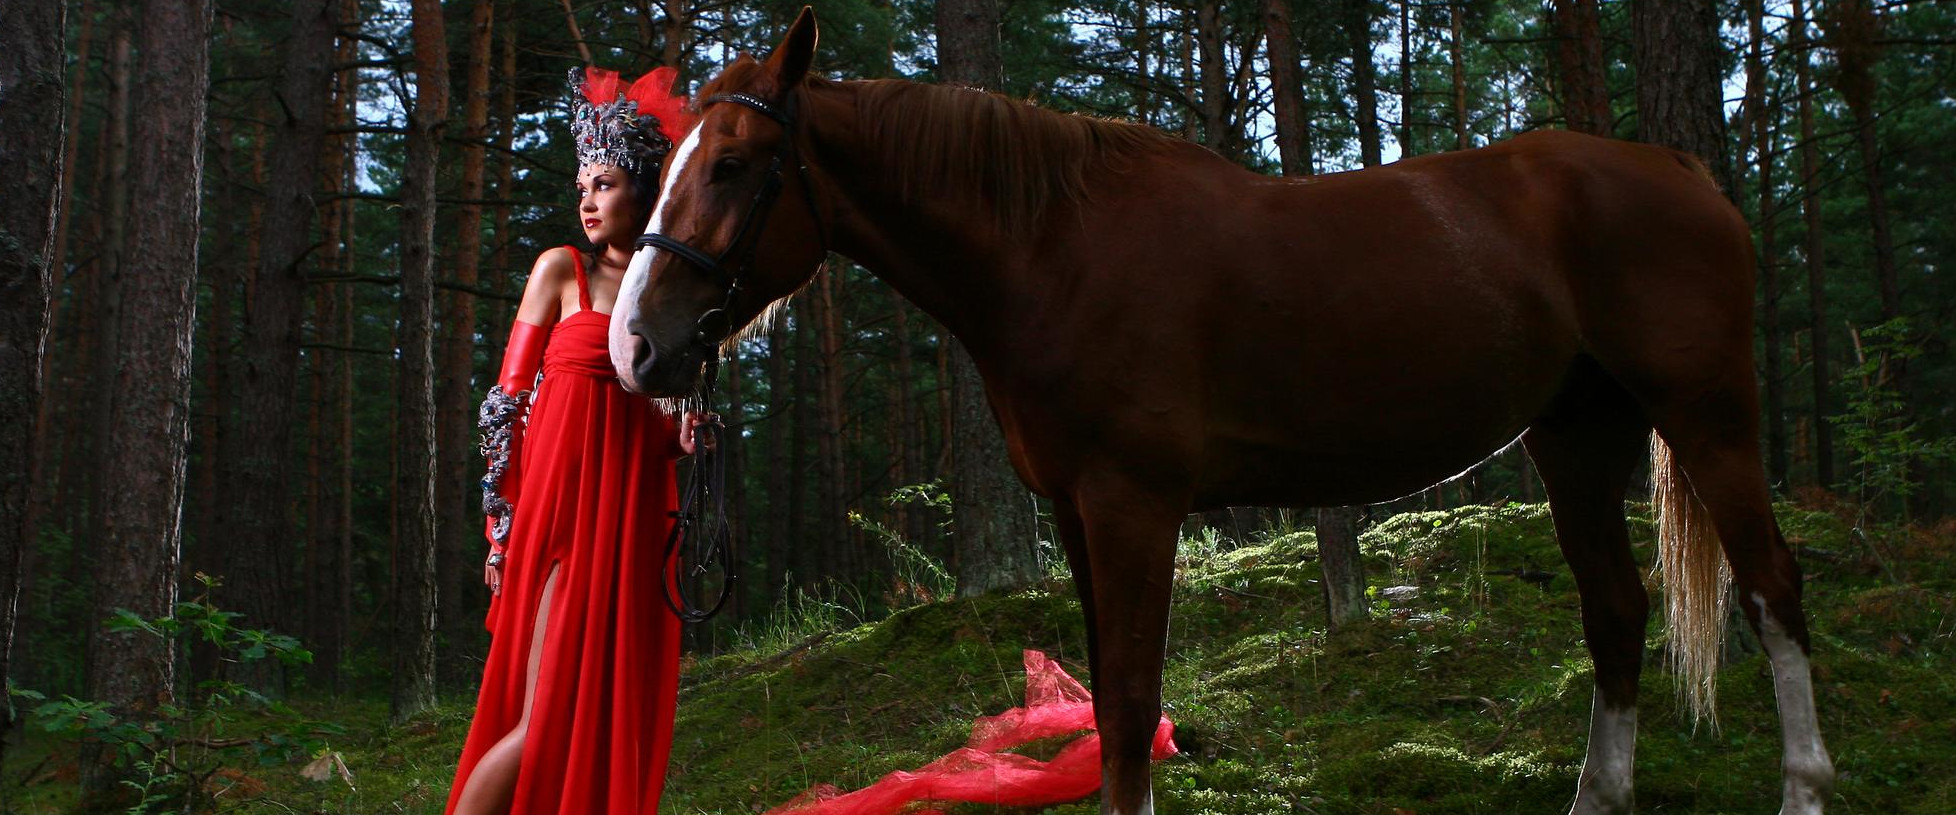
492, 571
689, 438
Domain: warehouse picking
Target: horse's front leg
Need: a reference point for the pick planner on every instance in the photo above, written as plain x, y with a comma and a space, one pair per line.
1130, 542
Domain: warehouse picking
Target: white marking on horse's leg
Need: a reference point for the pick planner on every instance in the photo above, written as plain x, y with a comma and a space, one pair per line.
1147, 807
1808, 772
638, 275
1606, 786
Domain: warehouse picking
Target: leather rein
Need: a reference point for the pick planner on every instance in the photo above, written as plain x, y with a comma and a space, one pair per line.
699, 541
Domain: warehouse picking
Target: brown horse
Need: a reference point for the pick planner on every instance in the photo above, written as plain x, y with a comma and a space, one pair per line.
1161, 332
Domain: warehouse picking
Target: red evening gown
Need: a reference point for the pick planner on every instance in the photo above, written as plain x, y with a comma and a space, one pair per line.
597, 483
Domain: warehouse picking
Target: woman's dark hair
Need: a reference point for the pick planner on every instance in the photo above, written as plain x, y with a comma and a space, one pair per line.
645, 187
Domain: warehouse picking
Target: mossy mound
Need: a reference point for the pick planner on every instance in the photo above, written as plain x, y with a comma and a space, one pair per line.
1469, 696
1467, 691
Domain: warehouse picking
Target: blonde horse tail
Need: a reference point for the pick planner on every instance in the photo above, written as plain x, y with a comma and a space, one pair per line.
1696, 580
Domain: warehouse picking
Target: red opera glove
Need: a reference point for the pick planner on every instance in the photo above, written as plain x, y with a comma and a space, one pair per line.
502, 419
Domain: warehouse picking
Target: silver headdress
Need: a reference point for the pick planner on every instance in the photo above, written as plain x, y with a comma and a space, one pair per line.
633, 128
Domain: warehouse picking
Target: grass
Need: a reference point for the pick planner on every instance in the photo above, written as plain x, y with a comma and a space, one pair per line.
1472, 697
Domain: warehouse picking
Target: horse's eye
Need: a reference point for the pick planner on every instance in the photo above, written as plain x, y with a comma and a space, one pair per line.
728, 167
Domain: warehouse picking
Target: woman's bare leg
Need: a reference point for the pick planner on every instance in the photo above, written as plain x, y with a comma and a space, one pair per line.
492, 784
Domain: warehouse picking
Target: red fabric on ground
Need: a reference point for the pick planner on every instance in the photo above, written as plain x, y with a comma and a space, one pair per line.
598, 481
1056, 704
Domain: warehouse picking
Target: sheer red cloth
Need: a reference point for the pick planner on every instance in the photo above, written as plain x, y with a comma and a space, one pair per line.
981, 772
597, 482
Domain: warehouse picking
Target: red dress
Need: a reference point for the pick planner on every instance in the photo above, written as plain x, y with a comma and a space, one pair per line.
597, 484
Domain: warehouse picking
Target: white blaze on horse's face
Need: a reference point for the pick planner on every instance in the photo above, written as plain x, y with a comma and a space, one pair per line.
639, 275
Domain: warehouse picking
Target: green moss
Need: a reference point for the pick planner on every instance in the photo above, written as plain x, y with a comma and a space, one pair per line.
1472, 698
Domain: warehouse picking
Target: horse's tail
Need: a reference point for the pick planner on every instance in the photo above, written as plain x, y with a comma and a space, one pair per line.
1696, 582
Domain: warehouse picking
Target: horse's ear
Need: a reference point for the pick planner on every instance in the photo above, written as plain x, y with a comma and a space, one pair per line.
790, 60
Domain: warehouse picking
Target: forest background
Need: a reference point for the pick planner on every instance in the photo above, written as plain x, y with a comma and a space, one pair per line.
281, 244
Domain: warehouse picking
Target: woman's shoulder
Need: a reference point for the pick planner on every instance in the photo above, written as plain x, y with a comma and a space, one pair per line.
557, 264
551, 277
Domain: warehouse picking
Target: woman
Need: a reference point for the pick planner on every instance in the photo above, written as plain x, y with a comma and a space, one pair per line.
576, 707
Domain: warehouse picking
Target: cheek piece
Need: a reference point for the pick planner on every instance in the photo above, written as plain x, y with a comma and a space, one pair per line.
502, 418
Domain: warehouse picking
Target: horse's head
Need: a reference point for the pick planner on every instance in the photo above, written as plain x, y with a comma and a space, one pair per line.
734, 230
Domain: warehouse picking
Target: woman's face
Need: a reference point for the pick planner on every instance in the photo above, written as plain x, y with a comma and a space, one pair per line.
610, 212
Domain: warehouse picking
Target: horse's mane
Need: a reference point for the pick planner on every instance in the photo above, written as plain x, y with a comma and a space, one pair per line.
933, 141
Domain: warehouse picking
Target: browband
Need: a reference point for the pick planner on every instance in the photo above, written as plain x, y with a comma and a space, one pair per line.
754, 102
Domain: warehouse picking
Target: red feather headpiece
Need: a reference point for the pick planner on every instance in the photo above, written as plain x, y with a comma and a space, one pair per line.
627, 127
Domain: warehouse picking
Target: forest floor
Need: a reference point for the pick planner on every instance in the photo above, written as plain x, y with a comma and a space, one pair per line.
1472, 697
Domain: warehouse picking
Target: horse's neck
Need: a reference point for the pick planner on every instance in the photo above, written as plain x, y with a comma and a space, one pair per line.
948, 262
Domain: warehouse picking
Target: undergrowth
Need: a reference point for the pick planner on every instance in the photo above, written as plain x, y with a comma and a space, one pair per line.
1467, 691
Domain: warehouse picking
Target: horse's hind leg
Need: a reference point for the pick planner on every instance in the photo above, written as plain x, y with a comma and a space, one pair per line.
1586, 449
1715, 441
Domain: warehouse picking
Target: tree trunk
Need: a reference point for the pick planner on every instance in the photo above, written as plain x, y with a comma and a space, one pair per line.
1143, 46
83, 419
804, 549
780, 395
44, 452
333, 525
140, 493
1338, 551
1407, 147
505, 165
214, 436
915, 522
1856, 29
461, 603
213, 420
732, 448
33, 138
677, 33
896, 411
1679, 95
1344, 570
1583, 74
268, 368
829, 464
993, 525
1816, 254
1762, 140
1358, 27
84, 390
1214, 79
108, 282
1463, 138
1293, 119
38, 491
415, 600
968, 51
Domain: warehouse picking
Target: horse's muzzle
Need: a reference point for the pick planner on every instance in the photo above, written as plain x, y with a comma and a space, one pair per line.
644, 363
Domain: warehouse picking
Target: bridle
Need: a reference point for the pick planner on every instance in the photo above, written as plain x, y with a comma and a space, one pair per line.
715, 325
700, 529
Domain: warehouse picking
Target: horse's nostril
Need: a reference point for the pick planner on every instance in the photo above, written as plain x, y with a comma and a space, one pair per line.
642, 358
